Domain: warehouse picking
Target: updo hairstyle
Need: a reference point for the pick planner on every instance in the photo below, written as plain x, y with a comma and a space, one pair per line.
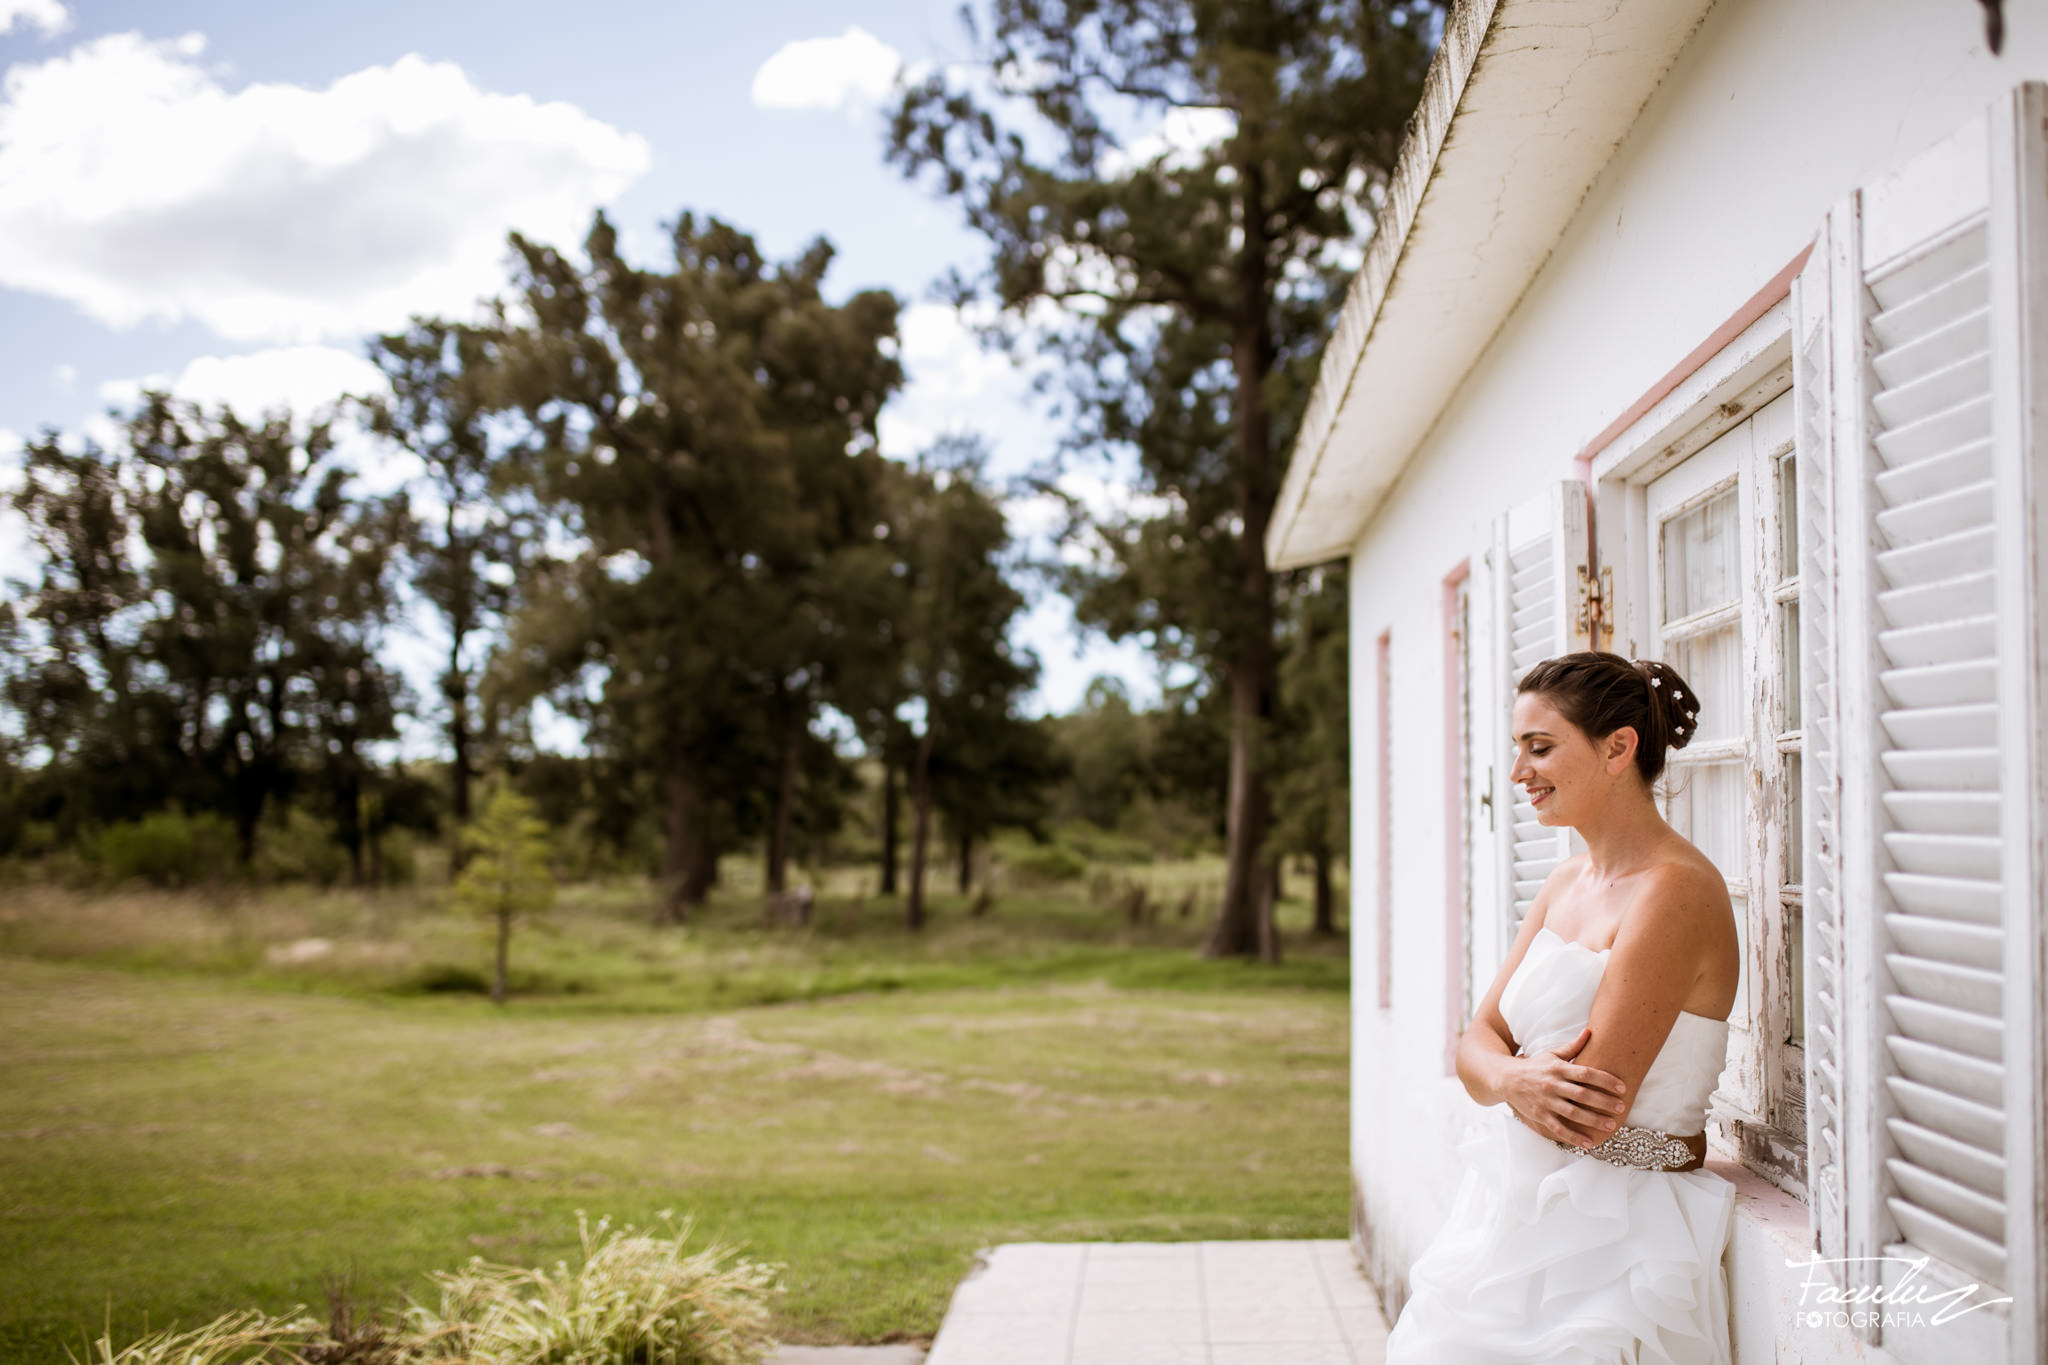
1601, 692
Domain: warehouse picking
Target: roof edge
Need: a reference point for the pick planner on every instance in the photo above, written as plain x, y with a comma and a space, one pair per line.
1465, 29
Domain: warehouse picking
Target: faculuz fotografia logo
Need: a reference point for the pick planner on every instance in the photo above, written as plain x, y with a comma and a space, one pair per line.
1834, 1295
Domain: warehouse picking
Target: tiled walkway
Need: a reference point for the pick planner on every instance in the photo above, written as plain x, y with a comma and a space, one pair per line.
1164, 1303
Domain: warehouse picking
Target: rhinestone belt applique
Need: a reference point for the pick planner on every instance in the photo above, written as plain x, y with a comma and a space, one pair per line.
1647, 1149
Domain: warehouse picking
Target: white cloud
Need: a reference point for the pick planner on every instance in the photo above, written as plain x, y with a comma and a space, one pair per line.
307, 381
133, 184
47, 15
1179, 142
952, 383
827, 73
304, 379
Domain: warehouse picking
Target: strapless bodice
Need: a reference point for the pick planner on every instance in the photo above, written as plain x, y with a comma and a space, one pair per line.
1546, 1003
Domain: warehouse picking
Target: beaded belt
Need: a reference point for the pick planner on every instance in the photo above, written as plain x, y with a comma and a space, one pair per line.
1647, 1149
1639, 1149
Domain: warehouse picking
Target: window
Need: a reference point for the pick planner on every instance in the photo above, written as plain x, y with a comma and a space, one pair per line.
1383, 669
1723, 610
1459, 993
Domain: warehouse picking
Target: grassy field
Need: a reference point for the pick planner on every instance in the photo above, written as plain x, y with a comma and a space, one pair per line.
210, 1102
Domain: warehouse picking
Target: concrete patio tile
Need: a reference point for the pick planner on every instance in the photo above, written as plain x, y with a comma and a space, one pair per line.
1164, 1303
1137, 1296
1099, 1252
1148, 1353
977, 1298
1293, 1353
1001, 1339
1245, 1325
1261, 1291
1171, 1328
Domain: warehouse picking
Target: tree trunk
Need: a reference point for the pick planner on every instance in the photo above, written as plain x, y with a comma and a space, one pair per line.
1326, 896
1243, 922
686, 847
890, 819
504, 946
1279, 879
785, 804
920, 825
966, 863
456, 688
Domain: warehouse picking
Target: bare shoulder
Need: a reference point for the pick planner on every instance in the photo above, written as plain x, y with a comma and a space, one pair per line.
1690, 881
1682, 913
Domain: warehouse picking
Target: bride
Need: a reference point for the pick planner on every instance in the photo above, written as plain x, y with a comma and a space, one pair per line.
1585, 1231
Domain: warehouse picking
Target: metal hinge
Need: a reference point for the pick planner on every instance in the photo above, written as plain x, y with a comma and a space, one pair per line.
1594, 597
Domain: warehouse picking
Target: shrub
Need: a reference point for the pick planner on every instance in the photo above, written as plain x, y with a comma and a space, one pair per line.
300, 847
636, 1297
1044, 864
248, 1338
168, 848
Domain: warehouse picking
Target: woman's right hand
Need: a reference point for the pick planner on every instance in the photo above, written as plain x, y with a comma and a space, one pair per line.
1576, 1105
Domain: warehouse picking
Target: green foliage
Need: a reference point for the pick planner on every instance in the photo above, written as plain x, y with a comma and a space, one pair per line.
167, 848
709, 428
1199, 286
1043, 865
245, 1338
204, 624
635, 1297
507, 873
294, 845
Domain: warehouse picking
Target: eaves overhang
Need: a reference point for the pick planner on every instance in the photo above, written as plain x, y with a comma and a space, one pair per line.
1523, 107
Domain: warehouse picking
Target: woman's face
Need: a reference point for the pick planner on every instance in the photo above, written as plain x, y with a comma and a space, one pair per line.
1566, 776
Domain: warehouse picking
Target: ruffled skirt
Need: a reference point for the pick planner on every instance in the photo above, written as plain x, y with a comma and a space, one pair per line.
1555, 1259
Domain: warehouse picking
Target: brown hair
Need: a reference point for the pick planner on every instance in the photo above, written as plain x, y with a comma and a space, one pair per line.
1601, 692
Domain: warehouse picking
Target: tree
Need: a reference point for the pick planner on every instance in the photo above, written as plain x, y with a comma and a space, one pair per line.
441, 407
206, 625
963, 678
507, 871
1199, 282
704, 430
1312, 786
278, 584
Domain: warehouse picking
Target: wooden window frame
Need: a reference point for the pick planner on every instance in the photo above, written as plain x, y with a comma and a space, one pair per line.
1742, 367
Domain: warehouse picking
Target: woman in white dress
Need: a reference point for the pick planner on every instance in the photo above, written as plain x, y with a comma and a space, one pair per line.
1584, 1231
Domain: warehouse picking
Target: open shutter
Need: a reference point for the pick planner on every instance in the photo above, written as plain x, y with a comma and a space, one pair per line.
1938, 518
1820, 795
1539, 564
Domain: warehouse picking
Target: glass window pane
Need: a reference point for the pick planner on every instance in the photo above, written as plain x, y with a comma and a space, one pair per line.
1790, 642
1705, 805
1712, 665
1788, 517
1795, 947
1795, 845
1700, 553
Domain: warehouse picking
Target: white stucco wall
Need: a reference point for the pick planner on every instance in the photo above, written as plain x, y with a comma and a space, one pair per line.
1776, 109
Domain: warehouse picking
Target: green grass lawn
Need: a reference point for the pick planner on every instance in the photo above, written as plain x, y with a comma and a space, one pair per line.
199, 1113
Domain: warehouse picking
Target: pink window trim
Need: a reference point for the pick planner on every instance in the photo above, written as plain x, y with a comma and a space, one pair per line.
1383, 659
1455, 948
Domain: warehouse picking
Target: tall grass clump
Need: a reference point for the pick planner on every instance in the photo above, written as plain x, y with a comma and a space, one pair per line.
247, 1338
636, 1298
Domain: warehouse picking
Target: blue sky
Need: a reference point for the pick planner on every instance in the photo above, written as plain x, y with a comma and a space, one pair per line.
228, 197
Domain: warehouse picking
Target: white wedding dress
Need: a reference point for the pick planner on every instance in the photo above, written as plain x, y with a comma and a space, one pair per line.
1553, 1258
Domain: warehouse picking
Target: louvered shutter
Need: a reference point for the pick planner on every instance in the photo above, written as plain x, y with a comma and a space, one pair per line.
1936, 518
1820, 795
1539, 561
